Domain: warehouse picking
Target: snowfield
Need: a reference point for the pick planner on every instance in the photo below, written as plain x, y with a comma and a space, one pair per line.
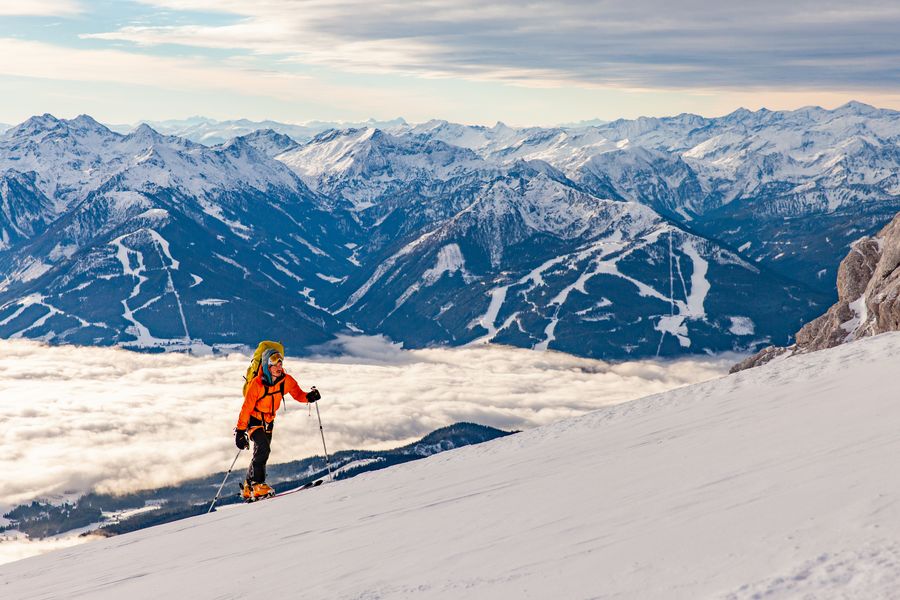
778, 482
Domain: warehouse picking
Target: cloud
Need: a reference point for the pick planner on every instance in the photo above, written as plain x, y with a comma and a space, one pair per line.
18, 547
193, 79
48, 61
83, 418
40, 8
809, 44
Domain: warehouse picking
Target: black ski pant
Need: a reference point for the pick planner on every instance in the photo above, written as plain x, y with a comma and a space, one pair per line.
262, 443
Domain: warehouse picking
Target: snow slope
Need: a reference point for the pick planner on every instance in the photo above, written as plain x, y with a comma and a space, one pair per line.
777, 482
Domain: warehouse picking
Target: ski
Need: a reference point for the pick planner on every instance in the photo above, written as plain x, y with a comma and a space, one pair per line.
305, 486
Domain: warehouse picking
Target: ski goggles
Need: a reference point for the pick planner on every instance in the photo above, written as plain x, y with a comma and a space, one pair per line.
275, 359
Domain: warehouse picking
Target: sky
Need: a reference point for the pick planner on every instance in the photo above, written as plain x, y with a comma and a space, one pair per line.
522, 63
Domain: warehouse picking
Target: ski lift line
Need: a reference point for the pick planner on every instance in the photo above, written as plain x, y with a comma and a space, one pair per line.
671, 280
662, 335
171, 288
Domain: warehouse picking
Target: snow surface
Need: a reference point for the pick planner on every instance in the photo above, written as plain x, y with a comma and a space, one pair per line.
776, 482
741, 325
692, 307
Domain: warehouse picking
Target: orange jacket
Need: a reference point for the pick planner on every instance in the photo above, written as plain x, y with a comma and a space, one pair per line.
262, 401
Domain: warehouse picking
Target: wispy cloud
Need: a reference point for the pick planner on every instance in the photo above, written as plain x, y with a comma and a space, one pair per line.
82, 418
40, 8
49, 61
822, 44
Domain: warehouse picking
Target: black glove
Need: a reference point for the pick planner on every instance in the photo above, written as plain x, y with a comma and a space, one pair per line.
313, 395
240, 439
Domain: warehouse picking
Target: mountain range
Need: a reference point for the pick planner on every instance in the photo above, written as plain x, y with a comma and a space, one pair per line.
633, 238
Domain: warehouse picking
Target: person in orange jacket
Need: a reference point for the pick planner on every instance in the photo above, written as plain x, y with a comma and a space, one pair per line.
257, 418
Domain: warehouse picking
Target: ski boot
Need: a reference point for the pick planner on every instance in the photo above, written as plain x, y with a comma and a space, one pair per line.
251, 492
247, 491
261, 490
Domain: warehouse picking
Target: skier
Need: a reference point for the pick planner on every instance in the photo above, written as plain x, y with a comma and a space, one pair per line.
261, 400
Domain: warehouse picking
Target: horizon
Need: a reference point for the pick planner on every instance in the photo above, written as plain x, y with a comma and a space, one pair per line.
400, 118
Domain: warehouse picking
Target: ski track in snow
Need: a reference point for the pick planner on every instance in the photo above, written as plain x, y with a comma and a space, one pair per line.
144, 338
674, 324
160, 249
535, 278
234, 264
489, 319
40, 300
449, 260
692, 307
383, 268
286, 271
123, 253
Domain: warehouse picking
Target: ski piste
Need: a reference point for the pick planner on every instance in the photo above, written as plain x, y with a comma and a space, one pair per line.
305, 486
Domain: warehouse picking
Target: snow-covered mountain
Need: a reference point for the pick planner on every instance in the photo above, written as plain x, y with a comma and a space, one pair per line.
154, 241
628, 238
559, 267
770, 483
212, 132
792, 187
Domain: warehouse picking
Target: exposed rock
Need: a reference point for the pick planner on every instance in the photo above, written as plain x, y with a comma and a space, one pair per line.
868, 285
760, 358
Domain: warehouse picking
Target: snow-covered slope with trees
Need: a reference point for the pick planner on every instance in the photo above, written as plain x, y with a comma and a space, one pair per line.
150, 241
775, 482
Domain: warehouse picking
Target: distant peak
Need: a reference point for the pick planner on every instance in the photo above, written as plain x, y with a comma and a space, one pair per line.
143, 130
855, 107
356, 133
87, 122
269, 141
238, 146
741, 113
44, 121
434, 123
85, 119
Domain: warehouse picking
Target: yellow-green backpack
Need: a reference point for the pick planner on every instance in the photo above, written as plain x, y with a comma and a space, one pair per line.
253, 369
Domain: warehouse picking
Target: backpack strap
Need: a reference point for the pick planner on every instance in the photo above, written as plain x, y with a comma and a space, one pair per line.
269, 393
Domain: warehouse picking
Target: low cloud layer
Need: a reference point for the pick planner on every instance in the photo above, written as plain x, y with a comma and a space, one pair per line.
76, 419
17, 547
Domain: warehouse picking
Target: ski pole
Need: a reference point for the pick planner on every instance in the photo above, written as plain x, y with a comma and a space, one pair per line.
322, 431
216, 499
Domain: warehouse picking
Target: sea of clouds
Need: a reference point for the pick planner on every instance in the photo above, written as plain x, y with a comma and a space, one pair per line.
76, 419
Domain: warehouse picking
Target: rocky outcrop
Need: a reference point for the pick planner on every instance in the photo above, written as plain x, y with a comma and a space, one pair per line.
868, 284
